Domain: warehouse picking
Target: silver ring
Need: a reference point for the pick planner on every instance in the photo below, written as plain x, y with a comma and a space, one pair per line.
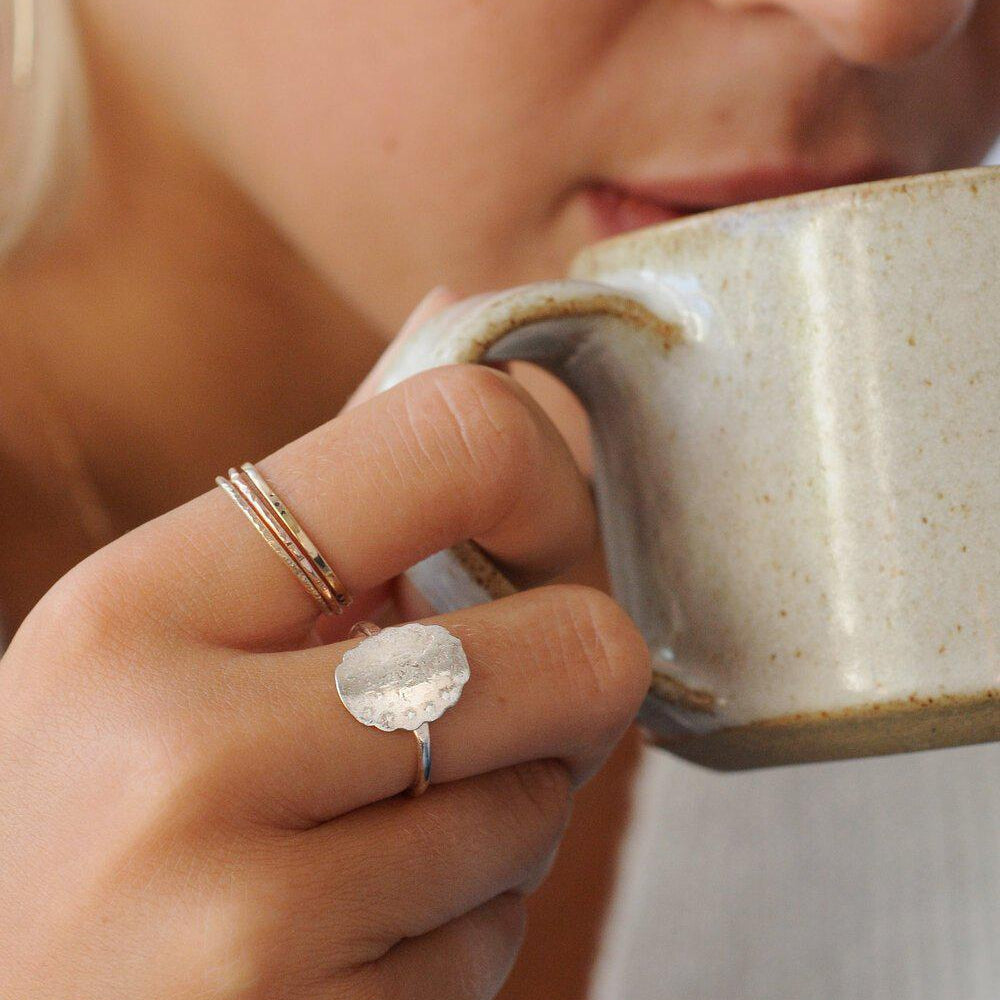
403, 677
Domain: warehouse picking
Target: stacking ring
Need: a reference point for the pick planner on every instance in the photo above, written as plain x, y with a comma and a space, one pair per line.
269, 514
403, 677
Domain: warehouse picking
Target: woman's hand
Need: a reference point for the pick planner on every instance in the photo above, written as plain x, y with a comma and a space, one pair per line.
186, 808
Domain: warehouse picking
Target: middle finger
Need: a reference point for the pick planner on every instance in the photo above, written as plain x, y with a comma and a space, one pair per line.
556, 672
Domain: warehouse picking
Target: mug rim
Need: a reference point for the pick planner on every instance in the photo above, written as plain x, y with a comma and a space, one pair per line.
727, 218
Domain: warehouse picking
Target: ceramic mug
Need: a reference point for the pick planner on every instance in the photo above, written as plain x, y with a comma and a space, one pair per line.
794, 407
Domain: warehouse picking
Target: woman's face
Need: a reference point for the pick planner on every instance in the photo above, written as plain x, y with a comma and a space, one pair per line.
479, 143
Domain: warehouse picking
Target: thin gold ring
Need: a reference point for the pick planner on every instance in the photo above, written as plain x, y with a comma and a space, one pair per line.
271, 540
337, 590
278, 528
281, 530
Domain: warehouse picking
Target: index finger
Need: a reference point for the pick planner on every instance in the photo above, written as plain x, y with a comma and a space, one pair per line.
455, 453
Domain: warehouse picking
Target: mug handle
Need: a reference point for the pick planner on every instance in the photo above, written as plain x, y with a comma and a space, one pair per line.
545, 323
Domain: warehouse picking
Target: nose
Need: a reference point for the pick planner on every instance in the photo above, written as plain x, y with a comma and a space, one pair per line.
875, 32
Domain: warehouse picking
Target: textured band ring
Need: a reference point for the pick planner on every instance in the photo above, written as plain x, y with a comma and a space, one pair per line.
339, 594
281, 530
403, 677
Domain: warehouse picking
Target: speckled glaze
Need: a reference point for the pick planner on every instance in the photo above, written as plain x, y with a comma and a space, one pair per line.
795, 408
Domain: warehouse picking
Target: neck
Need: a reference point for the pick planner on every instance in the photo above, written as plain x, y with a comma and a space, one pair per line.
171, 327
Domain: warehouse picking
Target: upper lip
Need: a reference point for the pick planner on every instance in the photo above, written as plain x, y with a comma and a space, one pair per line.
757, 183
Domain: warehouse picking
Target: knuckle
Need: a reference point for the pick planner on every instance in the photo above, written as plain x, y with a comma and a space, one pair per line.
600, 637
229, 949
82, 610
129, 742
477, 422
172, 756
110, 601
182, 777
160, 794
125, 754
159, 747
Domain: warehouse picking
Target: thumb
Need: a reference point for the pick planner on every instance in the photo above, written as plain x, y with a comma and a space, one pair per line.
430, 305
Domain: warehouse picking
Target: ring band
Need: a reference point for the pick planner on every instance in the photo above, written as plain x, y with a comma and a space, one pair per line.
408, 676
339, 594
271, 540
280, 523
422, 776
281, 530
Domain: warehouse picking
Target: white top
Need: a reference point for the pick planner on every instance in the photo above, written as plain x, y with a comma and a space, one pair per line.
858, 880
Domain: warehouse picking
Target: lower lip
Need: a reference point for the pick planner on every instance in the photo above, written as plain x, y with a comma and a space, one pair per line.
614, 211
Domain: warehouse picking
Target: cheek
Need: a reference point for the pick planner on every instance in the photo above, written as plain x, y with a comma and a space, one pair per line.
398, 144
429, 145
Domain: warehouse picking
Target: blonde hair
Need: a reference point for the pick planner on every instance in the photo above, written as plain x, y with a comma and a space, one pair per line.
43, 116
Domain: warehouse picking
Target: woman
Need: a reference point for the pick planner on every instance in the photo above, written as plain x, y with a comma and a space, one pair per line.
268, 189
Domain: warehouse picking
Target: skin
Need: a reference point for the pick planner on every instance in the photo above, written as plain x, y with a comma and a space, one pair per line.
272, 188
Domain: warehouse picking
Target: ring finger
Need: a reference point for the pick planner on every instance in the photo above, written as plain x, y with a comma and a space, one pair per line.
417, 863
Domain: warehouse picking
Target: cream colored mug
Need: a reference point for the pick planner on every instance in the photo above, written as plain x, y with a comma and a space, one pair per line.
794, 408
